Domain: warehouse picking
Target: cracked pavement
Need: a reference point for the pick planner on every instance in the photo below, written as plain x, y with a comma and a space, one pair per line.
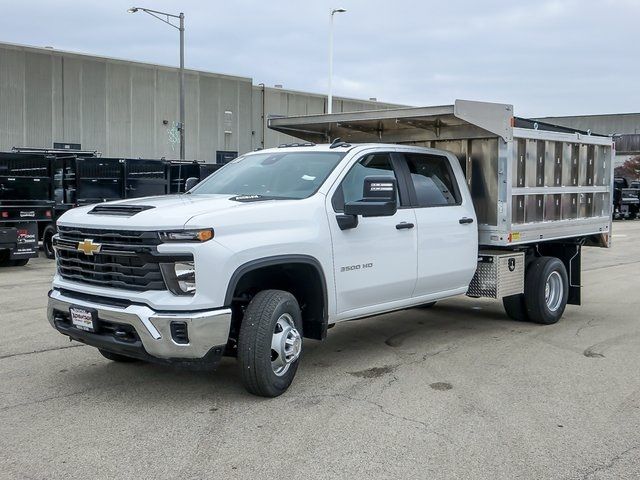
456, 391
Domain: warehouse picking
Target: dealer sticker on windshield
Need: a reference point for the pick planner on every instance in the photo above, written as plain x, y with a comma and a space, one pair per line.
82, 318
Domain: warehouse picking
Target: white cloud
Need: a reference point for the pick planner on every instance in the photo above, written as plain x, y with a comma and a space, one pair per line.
546, 57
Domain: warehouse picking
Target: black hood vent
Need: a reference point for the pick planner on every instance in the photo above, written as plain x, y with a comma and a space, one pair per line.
119, 210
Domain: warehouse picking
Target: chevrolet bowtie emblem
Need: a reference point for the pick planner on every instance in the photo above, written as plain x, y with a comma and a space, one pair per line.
88, 247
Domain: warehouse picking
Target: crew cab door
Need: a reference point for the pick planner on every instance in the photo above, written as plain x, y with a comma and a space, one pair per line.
375, 261
446, 224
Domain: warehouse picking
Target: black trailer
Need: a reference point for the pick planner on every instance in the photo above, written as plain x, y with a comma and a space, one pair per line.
39, 185
25, 203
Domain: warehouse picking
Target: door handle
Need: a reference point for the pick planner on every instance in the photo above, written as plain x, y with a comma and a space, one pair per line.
465, 220
404, 226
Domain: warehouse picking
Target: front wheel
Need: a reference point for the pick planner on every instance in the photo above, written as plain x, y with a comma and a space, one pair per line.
270, 343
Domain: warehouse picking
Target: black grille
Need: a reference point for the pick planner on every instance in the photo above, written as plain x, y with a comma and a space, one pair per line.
115, 238
127, 259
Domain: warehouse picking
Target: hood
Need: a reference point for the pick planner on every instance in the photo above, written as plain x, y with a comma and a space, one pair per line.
165, 212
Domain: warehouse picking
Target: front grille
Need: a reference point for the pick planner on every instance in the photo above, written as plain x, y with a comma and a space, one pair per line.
120, 237
126, 260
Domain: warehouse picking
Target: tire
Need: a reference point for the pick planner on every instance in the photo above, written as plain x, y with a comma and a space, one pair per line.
4, 258
47, 242
426, 305
116, 357
515, 307
546, 290
265, 371
19, 263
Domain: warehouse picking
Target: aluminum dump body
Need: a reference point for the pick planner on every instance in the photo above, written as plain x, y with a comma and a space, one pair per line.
529, 181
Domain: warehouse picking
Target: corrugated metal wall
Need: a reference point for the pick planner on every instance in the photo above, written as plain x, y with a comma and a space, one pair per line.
128, 109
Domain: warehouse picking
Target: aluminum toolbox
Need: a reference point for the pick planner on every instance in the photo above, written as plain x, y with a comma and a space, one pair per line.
529, 181
499, 274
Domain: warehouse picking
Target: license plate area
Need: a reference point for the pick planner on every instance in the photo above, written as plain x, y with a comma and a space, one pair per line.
84, 318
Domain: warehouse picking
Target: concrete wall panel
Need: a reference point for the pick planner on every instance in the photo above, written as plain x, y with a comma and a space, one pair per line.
228, 115
118, 110
38, 102
94, 106
245, 128
143, 116
57, 104
192, 105
166, 110
209, 117
71, 101
12, 66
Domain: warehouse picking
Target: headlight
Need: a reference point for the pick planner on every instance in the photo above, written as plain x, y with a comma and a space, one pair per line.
187, 235
180, 277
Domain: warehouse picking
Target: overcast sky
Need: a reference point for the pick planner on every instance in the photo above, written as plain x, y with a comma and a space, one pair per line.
546, 57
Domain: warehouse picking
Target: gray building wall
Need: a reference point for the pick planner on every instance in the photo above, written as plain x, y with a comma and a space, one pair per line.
615, 123
120, 107
625, 127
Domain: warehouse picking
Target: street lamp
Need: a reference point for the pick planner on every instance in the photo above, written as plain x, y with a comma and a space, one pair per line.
180, 28
330, 100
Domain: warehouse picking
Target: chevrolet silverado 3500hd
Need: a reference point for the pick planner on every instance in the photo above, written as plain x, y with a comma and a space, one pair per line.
282, 243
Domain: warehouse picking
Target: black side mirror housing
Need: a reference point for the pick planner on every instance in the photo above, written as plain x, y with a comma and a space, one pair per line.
379, 198
190, 183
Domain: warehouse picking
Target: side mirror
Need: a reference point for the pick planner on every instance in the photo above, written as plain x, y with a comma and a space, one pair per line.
190, 183
379, 198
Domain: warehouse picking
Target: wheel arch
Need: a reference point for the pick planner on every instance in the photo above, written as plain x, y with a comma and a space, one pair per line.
282, 270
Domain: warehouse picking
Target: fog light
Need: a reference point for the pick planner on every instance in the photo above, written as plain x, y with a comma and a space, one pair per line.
180, 277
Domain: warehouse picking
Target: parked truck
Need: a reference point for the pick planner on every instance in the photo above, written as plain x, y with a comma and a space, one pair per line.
412, 206
626, 199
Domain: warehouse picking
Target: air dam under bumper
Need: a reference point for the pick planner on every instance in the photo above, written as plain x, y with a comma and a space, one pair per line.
152, 339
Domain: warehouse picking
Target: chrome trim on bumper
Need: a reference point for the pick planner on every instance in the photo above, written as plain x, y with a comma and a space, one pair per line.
206, 329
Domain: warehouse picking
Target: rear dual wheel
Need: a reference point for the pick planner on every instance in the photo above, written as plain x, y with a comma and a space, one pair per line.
5, 260
546, 291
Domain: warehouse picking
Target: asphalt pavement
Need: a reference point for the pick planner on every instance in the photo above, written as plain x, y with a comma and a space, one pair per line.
457, 391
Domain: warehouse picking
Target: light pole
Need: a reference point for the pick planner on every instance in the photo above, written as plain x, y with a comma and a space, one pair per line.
180, 28
330, 99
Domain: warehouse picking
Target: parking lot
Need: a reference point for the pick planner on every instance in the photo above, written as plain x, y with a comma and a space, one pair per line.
458, 391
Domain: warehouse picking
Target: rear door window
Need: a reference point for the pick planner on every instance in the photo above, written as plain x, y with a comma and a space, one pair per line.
433, 180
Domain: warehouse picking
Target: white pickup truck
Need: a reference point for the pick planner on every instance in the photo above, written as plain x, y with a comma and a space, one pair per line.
280, 244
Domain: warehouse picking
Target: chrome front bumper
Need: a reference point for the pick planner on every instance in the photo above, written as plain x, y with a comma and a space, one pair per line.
207, 329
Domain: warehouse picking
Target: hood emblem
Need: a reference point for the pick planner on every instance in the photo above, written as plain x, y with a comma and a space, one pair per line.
88, 247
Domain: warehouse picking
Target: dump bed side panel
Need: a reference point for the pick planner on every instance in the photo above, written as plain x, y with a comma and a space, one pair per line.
559, 186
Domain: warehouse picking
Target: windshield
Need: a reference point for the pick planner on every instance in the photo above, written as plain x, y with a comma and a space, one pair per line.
281, 175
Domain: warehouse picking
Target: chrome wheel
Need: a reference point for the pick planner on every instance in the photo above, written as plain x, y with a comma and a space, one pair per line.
553, 291
286, 344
